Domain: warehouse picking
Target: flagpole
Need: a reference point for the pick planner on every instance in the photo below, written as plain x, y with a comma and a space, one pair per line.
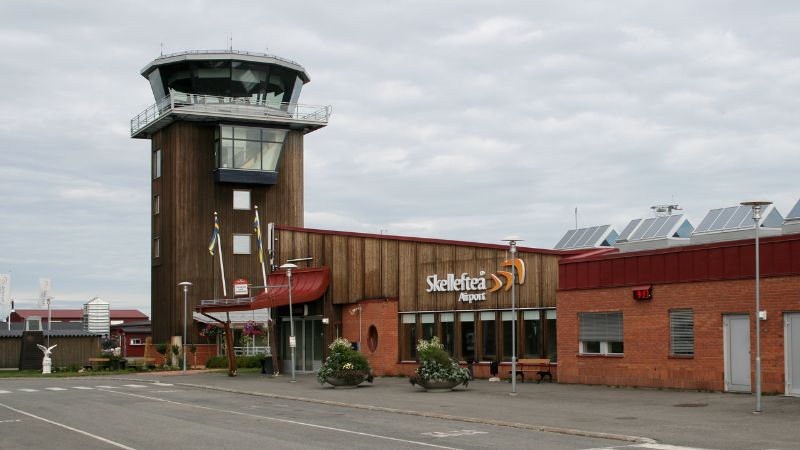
221, 265
261, 251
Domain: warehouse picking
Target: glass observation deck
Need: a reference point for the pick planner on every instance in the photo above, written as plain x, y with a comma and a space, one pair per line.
227, 86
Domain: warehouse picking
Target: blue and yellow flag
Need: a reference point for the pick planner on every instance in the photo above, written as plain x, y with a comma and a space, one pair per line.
257, 229
214, 236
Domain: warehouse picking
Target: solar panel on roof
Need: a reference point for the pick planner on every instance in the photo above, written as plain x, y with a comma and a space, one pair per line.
669, 224
655, 227
705, 224
629, 229
599, 234
794, 214
585, 240
564, 239
723, 219
575, 237
743, 217
642, 229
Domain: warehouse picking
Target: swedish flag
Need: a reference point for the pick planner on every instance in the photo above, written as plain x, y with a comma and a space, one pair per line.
257, 229
214, 236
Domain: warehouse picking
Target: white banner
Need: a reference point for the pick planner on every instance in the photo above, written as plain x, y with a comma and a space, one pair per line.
5, 288
44, 291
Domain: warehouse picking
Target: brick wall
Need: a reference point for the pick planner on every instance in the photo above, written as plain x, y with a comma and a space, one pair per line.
647, 361
382, 314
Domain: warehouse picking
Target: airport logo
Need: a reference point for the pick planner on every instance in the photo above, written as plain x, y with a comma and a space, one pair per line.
473, 289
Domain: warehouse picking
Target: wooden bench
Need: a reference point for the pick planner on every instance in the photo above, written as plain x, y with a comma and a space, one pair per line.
539, 366
141, 363
96, 363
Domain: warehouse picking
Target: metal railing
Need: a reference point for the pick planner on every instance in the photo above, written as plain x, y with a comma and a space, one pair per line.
254, 107
227, 301
235, 52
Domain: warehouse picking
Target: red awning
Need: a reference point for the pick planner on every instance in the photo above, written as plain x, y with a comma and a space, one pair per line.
307, 285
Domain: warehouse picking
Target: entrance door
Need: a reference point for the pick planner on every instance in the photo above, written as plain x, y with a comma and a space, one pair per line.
308, 334
737, 352
792, 353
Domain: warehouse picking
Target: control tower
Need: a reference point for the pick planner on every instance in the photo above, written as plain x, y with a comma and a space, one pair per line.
226, 134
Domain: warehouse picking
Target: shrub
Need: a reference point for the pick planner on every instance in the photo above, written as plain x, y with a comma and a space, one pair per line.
243, 362
344, 363
436, 364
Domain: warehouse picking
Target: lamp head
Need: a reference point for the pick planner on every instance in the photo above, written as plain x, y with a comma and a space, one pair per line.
756, 205
289, 266
184, 283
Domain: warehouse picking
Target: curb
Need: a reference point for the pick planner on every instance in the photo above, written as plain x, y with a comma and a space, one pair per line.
498, 423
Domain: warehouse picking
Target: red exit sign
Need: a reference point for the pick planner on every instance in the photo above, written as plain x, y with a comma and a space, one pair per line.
643, 292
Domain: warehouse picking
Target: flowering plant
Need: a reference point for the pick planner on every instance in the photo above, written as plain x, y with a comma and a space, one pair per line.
210, 331
436, 364
251, 329
345, 364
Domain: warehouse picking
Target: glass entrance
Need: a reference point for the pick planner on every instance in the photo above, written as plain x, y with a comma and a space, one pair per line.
308, 334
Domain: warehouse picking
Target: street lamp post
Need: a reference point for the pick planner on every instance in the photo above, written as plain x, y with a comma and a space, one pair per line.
512, 242
757, 205
292, 341
185, 285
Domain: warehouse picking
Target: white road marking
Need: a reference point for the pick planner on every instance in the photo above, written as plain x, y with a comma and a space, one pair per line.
55, 389
5, 392
134, 385
162, 384
455, 433
275, 419
647, 446
10, 421
85, 433
28, 390
107, 387
167, 391
82, 387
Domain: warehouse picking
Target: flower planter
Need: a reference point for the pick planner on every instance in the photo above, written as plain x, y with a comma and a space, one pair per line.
353, 382
439, 385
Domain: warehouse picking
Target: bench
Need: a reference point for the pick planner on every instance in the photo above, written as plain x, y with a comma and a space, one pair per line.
96, 363
141, 363
539, 366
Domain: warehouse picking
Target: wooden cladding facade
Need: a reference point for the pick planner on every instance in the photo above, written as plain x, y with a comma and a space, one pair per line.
188, 198
373, 266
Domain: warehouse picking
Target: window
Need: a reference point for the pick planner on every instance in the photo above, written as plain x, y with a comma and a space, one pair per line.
489, 335
241, 199
156, 247
136, 341
409, 332
428, 325
241, 244
448, 335
467, 322
681, 332
249, 148
532, 327
507, 328
156, 204
550, 319
372, 338
157, 164
601, 333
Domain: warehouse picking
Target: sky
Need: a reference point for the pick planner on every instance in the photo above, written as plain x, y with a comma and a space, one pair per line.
467, 120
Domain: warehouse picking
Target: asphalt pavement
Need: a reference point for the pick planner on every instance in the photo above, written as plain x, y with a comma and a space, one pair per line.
712, 420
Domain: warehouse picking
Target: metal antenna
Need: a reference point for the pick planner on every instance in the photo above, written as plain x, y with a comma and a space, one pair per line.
162, 49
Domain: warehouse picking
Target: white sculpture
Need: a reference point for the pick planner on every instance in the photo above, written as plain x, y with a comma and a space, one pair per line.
46, 363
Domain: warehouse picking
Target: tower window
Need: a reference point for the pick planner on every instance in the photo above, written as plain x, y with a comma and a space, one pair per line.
249, 148
241, 244
156, 204
156, 247
241, 199
157, 164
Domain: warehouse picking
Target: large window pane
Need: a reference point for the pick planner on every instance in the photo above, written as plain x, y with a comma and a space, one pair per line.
507, 330
551, 334
467, 322
488, 335
270, 135
532, 327
448, 336
246, 80
241, 244
409, 337
428, 325
226, 154
227, 132
271, 153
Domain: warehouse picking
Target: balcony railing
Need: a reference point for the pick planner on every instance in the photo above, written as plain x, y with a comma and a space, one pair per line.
254, 107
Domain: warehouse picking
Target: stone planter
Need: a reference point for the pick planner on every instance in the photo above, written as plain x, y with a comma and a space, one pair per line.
342, 383
439, 385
